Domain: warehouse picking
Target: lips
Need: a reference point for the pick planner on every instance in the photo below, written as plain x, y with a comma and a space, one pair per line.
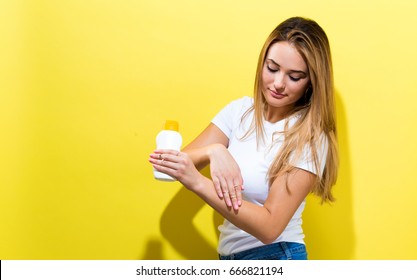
276, 94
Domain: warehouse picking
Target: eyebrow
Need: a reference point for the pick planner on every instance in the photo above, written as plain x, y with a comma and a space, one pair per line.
292, 71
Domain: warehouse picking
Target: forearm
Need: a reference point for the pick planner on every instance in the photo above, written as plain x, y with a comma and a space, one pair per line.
224, 171
198, 156
265, 222
252, 218
200, 148
201, 155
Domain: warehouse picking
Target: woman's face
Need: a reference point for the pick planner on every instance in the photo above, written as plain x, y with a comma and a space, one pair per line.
284, 78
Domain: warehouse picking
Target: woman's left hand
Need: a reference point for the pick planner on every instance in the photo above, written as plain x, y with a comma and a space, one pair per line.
178, 165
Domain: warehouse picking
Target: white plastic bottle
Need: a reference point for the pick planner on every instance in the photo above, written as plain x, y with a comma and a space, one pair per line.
169, 138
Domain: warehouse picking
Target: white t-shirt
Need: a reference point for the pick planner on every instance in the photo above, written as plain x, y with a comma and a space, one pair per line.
254, 163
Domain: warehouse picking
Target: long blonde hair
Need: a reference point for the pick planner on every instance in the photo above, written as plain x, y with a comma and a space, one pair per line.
315, 111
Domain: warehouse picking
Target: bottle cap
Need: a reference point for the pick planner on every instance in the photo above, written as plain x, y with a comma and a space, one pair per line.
171, 125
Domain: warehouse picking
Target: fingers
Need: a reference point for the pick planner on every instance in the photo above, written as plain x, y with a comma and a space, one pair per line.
238, 192
235, 194
167, 152
224, 191
164, 158
228, 189
230, 192
217, 187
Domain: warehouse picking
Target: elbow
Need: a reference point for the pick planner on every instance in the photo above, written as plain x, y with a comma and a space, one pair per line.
269, 237
269, 233
267, 241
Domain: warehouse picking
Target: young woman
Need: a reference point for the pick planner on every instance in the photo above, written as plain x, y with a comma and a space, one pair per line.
267, 153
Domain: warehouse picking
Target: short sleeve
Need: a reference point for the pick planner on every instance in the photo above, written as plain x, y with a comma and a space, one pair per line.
229, 117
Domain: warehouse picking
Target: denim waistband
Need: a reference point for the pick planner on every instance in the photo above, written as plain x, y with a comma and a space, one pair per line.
275, 251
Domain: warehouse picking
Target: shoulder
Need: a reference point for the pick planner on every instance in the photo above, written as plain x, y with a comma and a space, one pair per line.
230, 116
245, 101
241, 105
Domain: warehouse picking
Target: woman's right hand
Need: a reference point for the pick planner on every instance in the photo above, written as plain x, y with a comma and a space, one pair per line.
226, 176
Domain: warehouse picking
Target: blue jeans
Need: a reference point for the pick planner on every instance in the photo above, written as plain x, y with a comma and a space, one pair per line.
274, 251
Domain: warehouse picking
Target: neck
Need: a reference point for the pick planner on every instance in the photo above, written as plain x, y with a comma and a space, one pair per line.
274, 115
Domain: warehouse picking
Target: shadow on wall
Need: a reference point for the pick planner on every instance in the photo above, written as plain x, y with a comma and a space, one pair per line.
329, 229
177, 227
153, 250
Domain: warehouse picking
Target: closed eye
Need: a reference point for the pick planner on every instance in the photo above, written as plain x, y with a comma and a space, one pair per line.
294, 79
273, 70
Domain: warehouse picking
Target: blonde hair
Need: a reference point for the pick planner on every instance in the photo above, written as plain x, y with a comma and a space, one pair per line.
315, 111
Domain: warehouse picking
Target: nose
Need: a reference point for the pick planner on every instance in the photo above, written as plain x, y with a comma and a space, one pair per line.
279, 82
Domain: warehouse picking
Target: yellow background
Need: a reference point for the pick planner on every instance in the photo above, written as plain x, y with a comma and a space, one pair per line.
85, 86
